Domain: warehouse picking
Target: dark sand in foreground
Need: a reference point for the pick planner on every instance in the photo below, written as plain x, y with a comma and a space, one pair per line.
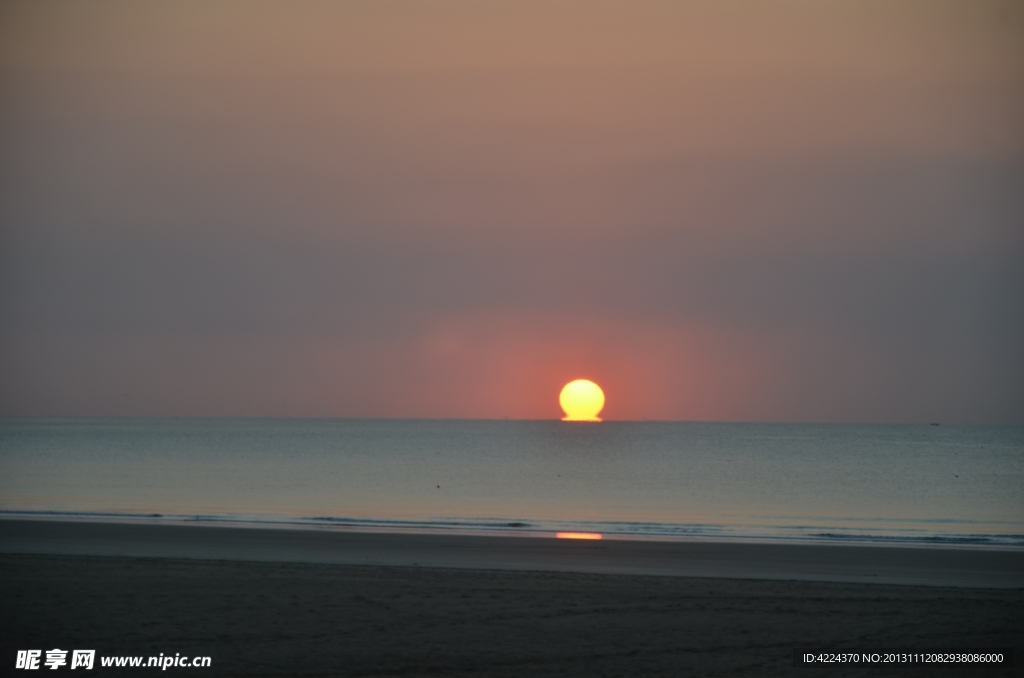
305, 619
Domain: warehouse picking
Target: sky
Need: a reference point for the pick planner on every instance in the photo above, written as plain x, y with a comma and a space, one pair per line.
733, 210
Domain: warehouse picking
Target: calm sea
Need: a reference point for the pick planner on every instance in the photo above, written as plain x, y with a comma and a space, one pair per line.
912, 484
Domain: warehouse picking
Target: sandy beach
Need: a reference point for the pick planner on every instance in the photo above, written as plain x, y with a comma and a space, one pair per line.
322, 614
980, 567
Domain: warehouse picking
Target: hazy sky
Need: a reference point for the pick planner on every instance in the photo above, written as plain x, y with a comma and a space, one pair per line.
729, 210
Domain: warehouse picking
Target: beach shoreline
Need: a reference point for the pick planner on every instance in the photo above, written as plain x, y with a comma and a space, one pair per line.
870, 564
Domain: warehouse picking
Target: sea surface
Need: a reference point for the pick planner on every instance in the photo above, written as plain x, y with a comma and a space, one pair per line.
949, 485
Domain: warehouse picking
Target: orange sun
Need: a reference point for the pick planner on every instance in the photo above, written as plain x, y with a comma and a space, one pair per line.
582, 400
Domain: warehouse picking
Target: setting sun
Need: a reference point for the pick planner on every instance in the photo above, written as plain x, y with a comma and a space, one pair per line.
582, 400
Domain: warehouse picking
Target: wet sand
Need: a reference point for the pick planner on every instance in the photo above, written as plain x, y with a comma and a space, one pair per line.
256, 617
987, 568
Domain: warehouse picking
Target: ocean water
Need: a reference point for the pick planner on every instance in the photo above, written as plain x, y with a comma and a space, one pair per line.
954, 485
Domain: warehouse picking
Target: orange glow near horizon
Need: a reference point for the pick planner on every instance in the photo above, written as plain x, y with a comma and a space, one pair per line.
579, 535
582, 400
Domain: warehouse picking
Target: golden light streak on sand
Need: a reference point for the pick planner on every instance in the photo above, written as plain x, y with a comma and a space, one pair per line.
579, 535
